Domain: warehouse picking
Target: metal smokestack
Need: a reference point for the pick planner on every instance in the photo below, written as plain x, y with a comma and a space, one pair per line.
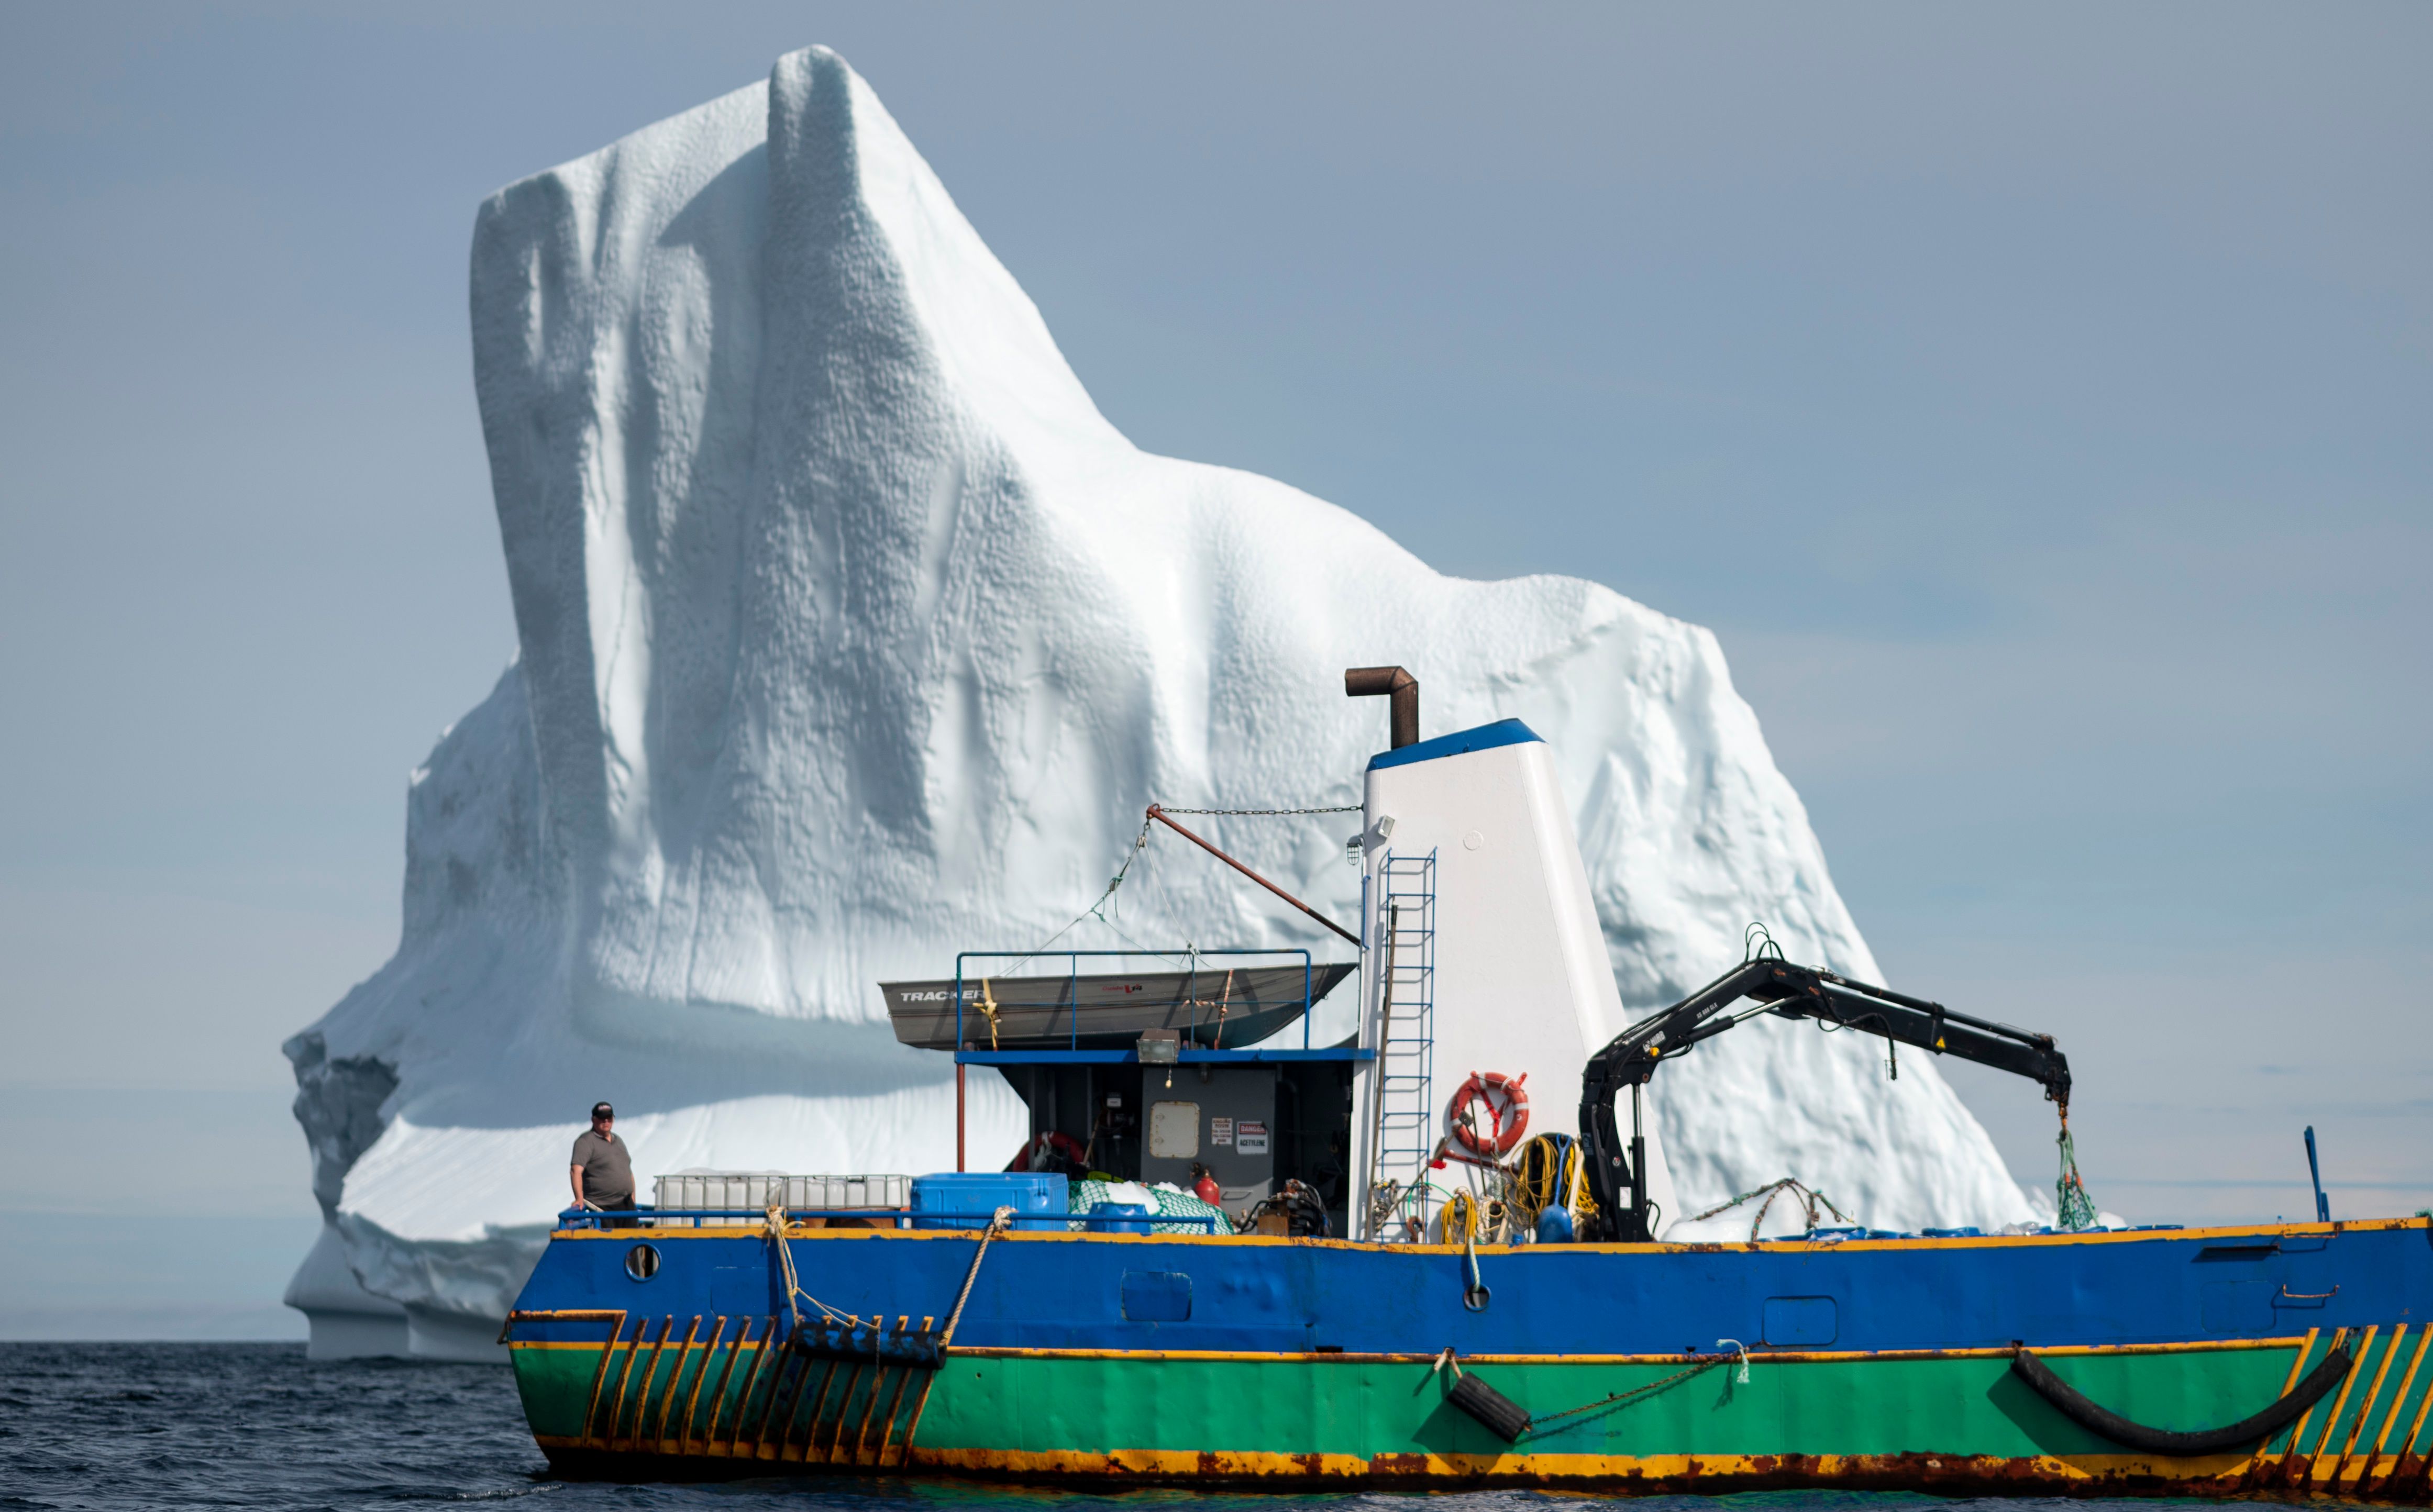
1403, 689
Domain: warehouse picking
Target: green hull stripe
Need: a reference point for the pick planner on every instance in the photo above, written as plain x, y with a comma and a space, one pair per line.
1045, 1403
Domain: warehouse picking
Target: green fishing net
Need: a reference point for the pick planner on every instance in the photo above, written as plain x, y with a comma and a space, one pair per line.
2070, 1193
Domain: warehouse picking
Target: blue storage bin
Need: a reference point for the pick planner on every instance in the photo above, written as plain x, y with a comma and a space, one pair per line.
967, 1199
1120, 1210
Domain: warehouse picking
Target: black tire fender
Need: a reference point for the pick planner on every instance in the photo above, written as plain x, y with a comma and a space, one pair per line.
2096, 1418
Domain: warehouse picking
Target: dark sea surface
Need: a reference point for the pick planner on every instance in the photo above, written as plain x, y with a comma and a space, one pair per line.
257, 1425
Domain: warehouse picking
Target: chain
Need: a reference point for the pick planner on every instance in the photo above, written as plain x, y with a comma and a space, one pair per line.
1619, 1398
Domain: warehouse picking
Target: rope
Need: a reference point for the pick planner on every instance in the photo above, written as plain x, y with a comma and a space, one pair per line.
998, 1221
776, 1235
1770, 1193
1548, 1176
998, 1224
1140, 843
1743, 1351
988, 1011
1461, 1215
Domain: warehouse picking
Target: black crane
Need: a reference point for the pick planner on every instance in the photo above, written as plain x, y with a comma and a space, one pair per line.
1618, 1173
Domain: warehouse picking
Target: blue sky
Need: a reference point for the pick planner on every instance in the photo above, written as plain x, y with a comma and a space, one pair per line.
2034, 402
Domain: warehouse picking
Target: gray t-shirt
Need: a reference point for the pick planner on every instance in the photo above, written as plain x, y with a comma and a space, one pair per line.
607, 1170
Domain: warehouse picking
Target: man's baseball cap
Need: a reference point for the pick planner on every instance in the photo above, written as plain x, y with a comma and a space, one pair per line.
601, 1109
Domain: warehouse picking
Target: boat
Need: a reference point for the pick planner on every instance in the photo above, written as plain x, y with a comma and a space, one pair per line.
1399, 1290
1205, 1005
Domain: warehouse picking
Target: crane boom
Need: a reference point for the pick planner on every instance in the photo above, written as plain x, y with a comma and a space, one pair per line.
1617, 1171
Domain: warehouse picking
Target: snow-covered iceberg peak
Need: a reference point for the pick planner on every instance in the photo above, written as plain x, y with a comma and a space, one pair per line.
852, 635
818, 648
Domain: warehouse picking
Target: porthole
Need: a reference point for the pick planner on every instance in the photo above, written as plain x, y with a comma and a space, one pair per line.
641, 1262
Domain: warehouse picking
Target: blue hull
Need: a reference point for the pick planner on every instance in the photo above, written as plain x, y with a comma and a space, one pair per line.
1172, 1335
1064, 1292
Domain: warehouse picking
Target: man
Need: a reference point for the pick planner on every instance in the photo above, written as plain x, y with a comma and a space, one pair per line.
602, 1172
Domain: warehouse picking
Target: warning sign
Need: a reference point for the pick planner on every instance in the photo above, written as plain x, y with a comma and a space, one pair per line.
1220, 1130
1250, 1138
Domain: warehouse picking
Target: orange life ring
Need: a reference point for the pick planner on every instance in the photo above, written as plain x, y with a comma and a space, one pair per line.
1057, 1140
1506, 1126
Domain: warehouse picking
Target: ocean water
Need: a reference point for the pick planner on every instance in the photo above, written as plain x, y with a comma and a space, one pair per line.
125, 1426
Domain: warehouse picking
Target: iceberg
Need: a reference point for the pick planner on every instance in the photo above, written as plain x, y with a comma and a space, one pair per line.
852, 635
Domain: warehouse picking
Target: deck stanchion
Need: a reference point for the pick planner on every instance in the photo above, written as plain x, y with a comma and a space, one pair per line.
959, 1166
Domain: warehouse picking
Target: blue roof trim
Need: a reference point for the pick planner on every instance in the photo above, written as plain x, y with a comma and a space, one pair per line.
1484, 737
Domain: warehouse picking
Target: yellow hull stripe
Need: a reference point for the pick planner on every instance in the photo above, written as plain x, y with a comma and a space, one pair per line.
1991, 1240
1338, 1357
1921, 1469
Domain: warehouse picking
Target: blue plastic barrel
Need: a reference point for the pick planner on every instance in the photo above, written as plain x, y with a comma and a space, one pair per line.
1120, 1210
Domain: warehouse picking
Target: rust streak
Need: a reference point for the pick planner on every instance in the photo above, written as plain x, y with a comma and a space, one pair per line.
895, 1409
718, 1395
599, 1374
2298, 1434
624, 1377
819, 1406
2365, 1408
2348, 1383
751, 1382
700, 1377
668, 1397
920, 1403
844, 1405
791, 1357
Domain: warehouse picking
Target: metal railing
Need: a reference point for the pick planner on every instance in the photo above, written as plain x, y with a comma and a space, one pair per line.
1072, 1004
656, 1218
